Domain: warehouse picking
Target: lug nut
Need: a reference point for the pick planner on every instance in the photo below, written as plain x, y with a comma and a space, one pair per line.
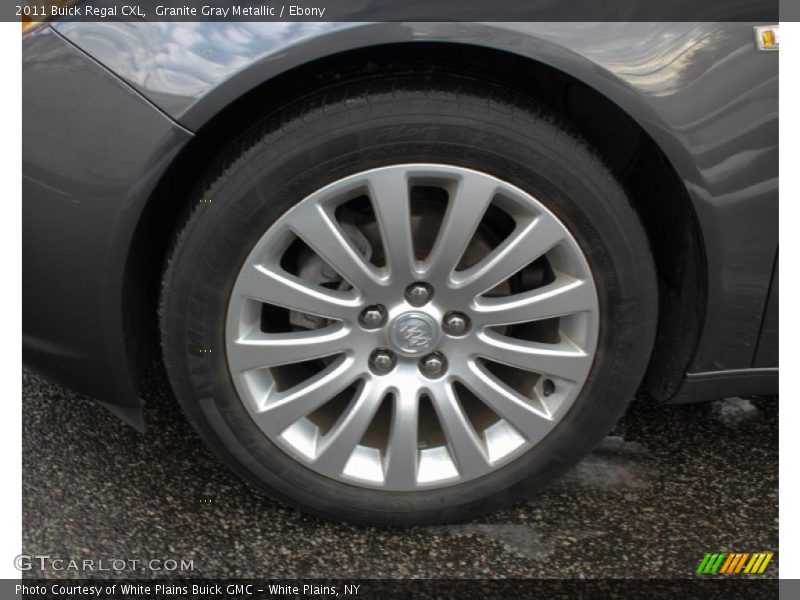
373, 317
381, 361
455, 323
418, 293
433, 365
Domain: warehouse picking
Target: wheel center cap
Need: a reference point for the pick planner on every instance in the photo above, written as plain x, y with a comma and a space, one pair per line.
413, 333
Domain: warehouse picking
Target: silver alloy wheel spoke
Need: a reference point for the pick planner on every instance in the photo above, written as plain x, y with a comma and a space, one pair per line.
338, 444
533, 424
525, 244
389, 193
275, 349
566, 295
402, 459
280, 288
564, 359
464, 213
305, 368
297, 402
464, 442
316, 228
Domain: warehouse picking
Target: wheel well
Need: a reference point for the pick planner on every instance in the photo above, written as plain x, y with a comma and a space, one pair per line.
658, 196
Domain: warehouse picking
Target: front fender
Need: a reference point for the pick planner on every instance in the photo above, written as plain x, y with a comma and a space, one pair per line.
700, 90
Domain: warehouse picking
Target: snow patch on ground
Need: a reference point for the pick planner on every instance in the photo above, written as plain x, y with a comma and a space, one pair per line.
733, 411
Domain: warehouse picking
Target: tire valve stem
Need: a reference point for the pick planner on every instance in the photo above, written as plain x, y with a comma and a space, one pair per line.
548, 387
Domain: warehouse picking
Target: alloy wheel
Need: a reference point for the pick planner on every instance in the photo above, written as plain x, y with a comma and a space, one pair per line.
412, 327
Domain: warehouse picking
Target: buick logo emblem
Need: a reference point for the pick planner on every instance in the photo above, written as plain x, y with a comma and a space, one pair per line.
413, 333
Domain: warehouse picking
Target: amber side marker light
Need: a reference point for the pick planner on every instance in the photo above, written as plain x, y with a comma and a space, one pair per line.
767, 37
38, 13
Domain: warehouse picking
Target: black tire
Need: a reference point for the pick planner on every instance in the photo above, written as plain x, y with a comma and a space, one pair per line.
360, 126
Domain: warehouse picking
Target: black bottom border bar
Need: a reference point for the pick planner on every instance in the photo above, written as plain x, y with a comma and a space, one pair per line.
388, 589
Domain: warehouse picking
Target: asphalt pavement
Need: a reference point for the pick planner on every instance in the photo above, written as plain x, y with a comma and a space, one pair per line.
669, 485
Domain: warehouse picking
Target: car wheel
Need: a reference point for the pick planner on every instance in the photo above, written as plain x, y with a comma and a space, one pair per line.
407, 301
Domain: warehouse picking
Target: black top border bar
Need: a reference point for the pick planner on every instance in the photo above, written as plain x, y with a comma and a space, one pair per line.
764, 11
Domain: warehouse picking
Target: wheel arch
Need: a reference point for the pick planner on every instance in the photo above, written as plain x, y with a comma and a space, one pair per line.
591, 99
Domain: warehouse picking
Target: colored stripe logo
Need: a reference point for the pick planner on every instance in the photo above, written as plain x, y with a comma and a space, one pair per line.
731, 563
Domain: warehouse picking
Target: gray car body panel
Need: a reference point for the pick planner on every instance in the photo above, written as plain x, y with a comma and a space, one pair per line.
91, 156
702, 91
